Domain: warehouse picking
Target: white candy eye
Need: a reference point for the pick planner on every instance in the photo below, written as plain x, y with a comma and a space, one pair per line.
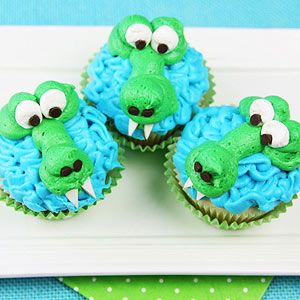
138, 35
261, 111
28, 114
275, 134
53, 103
164, 39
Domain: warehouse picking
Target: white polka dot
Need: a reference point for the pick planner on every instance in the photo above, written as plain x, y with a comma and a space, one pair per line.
76, 289
212, 290
229, 280
227, 299
94, 279
91, 298
263, 279
161, 280
128, 280
125, 298
109, 289
158, 299
245, 290
195, 280
60, 279
177, 291
193, 299
143, 290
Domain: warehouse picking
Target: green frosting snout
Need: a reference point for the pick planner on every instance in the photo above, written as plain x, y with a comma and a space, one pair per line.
148, 97
212, 167
65, 168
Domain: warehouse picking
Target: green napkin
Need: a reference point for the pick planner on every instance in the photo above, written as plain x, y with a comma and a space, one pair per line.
169, 287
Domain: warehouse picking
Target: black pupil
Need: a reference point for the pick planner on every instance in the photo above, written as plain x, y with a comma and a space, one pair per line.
255, 119
162, 48
34, 120
197, 167
140, 44
65, 171
55, 112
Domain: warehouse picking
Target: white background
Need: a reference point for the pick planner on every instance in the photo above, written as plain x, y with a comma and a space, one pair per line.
141, 228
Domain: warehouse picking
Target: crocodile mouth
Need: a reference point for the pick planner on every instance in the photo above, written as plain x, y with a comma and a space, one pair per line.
72, 195
132, 126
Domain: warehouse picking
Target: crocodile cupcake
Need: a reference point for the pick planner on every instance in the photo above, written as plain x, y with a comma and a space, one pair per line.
235, 167
57, 157
147, 81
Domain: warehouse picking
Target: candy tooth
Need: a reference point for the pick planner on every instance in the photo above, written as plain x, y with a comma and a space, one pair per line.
147, 130
188, 183
199, 196
88, 187
132, 127
72, 195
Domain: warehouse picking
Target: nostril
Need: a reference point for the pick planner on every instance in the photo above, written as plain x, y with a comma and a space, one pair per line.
133, 110
148, 112
65, 171
77, 165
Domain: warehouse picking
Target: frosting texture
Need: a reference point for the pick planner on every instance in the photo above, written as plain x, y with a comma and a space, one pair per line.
20, 161
109, 73
259, 182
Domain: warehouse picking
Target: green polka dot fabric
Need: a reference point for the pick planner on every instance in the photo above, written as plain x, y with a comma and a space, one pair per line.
169, 287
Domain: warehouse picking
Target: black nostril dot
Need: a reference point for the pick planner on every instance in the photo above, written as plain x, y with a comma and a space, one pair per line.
133, 110
77, 165
148, 112
55, 112
34, 120
207, 177
197, 167
65, 171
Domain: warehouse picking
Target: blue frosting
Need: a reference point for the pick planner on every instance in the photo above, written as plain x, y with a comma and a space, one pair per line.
20, 161
108, 73
259, 183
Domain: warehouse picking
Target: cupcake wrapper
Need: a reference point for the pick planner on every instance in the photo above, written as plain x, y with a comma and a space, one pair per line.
212, 215
155, 141
114, 174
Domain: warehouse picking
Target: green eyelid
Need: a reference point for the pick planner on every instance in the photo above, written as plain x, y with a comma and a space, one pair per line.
117, 43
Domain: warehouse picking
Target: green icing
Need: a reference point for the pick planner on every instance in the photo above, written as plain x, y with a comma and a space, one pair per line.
51, 138
220, 159
147, 88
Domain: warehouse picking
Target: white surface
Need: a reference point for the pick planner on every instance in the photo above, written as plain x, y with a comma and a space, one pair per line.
141, 228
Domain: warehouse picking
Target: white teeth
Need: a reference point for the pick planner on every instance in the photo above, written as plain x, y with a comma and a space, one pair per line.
88, 187
199, 196
132, 127
188, 183
147, 130
72, 195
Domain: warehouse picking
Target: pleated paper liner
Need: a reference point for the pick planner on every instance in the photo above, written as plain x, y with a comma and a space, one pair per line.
209, 213
114, 175
155, 141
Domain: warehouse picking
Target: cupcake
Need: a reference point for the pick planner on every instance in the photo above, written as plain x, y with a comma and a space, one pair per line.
235, 167
147, 81
57, 157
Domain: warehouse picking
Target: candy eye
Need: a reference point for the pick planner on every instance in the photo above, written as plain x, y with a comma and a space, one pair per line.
261, 111
28, 114
275, 134
53, 103
138, 35
164, 39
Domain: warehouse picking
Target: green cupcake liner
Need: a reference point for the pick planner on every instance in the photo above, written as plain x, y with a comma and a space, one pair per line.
155, 141
211, 214
114, 175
